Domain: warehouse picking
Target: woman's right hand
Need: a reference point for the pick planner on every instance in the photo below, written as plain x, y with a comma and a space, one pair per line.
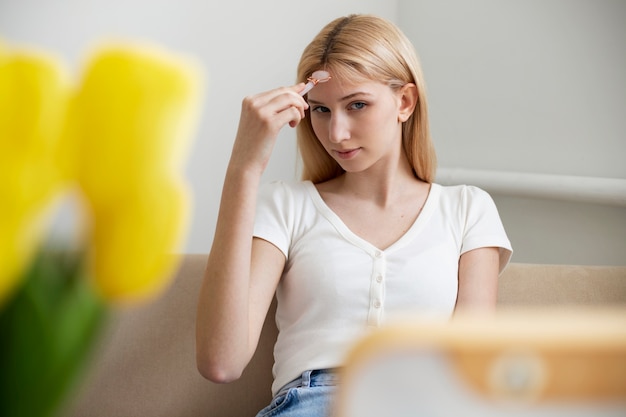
262, 117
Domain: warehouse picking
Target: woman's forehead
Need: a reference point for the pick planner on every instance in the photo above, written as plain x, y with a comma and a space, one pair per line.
337, 89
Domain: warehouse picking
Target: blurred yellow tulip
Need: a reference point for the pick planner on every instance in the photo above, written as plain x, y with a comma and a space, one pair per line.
34, 93
121, 133
132, 120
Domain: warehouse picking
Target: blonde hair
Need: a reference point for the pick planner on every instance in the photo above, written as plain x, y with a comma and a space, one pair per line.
360, 48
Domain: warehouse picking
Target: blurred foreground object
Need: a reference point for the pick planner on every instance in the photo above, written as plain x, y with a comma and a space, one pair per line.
131, 122
34, 95
117, 139
516, 363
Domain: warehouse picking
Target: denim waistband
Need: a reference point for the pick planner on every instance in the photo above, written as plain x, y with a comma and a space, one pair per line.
314, 378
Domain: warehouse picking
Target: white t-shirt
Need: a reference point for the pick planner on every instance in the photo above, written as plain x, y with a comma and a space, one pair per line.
336, 285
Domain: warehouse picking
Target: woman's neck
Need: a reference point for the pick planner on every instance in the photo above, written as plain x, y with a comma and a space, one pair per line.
381, 185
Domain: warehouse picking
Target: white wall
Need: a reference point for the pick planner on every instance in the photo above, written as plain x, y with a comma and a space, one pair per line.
530, 86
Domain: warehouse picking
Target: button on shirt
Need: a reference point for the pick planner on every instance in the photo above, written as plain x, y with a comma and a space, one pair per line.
377, 289
336, 285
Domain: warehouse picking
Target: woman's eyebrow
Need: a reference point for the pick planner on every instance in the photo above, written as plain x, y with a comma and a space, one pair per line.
348, 97
353, 95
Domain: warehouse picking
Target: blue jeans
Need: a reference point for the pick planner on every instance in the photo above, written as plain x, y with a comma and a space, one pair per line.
308, 396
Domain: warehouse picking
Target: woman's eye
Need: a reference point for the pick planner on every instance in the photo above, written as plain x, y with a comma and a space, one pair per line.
320, 109
357, 106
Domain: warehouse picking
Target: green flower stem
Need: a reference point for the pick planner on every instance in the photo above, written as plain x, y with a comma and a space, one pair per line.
47, 331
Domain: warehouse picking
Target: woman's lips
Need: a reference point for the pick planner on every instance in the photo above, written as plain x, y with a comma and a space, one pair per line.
348, 154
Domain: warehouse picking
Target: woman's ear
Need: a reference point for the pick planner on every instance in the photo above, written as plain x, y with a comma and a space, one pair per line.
409, 96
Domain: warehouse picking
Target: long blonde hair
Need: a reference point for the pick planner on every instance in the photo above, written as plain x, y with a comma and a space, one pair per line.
366, 47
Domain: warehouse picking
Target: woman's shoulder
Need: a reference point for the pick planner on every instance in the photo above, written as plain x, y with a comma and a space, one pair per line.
293, 186
284, 190
463, 197
461, 192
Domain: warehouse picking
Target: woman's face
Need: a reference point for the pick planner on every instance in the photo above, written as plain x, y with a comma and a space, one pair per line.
359, 124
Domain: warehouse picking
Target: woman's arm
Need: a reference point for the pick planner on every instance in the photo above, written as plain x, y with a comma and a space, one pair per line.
242, 272
478, 280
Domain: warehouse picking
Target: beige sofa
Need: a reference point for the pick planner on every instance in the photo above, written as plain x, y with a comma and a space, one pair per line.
145, 365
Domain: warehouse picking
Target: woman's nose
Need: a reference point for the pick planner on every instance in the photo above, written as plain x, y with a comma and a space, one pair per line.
339, 129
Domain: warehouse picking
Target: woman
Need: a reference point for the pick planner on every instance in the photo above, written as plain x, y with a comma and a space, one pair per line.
366, 235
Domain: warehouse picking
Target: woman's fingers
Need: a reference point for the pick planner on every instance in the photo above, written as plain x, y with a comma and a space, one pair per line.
262, 117
267, 96
275, 108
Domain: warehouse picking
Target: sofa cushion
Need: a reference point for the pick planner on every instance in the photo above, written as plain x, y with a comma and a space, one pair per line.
146, 362
562, 285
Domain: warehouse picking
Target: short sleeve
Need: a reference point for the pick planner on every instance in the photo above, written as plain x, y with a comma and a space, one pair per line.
483, 226
272, 215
